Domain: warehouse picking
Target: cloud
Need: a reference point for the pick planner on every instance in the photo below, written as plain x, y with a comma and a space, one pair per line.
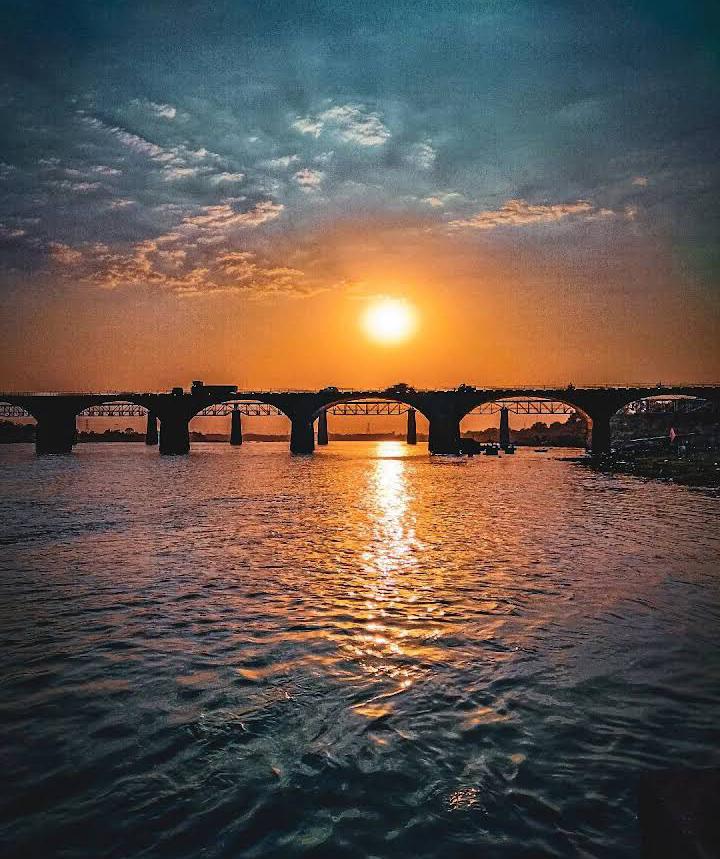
226, 178
77, 187
350, 123
173, 159
166, 111
104, 170
281, 163
421, 155
171, 174
309, 180
10, 233
196, 256
64, 255
517, 213
442, 199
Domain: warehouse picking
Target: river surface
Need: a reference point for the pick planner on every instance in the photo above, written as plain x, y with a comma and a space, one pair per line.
366, 653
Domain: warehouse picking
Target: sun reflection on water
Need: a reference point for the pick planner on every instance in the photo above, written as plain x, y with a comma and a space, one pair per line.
390, 635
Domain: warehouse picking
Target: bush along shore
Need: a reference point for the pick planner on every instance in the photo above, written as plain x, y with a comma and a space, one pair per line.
694, 468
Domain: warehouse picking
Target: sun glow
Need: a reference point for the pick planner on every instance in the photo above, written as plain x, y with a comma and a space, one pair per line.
390, 320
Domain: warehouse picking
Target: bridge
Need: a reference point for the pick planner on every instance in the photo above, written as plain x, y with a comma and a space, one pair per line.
169, 413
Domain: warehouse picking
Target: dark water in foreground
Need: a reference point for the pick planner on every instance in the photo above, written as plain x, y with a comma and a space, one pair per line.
362, 654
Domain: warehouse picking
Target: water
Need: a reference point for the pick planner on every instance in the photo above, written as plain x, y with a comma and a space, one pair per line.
364, 654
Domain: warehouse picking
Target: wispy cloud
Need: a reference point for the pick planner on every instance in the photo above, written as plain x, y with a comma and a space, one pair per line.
517, 213
422, 155
281, 163
308, 179
350, 123
199, 255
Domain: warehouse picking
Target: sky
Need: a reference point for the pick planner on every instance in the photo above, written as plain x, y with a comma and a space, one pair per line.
218, 190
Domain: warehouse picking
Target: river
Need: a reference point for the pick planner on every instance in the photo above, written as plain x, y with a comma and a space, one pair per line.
365, 653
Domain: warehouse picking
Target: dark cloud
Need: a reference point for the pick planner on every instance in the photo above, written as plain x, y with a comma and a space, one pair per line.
123, 123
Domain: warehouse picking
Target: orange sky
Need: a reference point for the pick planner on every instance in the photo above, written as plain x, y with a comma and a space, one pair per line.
615, 308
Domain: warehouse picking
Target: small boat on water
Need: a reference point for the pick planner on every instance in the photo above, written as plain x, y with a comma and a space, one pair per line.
541, 450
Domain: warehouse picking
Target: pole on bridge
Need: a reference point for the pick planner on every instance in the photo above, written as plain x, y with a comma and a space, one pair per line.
322, 430
151, 433
236, 438
504, 428
411, 427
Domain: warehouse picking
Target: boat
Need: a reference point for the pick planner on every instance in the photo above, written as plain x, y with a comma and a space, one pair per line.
541, 450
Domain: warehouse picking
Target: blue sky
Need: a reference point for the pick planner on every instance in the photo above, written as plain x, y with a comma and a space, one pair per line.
197, 148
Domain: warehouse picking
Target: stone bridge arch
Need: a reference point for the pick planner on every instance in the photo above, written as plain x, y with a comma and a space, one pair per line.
524, 395
238, 400
11, 412
408, 399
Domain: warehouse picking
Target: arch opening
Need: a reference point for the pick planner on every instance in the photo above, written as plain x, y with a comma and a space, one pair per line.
17, 425
237, 421
112, 421
524, 421
666, 421
375, 418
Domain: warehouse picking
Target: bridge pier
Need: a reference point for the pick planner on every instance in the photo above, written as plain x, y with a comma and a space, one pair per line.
411, 427
444, 434
302, 435
322, 431
151, 433
236, 438
174, 434
504, 437
55, 433
600, 435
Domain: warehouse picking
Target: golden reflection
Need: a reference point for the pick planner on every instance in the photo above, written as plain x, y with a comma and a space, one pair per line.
393, 541
391, 644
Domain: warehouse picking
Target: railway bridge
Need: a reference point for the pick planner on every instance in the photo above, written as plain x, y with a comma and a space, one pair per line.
169, 413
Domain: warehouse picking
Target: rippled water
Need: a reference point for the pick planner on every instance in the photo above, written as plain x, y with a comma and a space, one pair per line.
368, 653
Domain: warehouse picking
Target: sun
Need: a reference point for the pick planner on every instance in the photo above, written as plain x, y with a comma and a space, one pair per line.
390, 320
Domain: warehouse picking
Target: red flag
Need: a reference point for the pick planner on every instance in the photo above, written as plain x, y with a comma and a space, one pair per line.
673, 434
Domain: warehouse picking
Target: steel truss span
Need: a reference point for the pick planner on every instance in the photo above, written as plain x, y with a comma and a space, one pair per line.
520, 406
251, 410
114, 410
9, 411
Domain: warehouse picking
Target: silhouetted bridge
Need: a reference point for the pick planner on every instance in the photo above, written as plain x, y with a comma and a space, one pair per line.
56, 413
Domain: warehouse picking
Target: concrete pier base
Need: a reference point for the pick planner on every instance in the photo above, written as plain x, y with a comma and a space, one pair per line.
236, 438
600, 437
56, 433
444, 435
411, 436
302, 436
151, 433
174, 435
322, 430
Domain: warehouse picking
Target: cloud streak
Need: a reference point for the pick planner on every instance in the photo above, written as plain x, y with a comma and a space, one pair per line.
520, 213
349, 123
200, 255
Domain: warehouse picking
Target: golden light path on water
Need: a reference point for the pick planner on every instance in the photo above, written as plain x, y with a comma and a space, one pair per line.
368, 652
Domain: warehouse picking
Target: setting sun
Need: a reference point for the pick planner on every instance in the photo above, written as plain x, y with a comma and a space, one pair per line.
390, 320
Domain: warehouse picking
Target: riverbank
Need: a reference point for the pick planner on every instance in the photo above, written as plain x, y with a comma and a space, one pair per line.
693, 469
